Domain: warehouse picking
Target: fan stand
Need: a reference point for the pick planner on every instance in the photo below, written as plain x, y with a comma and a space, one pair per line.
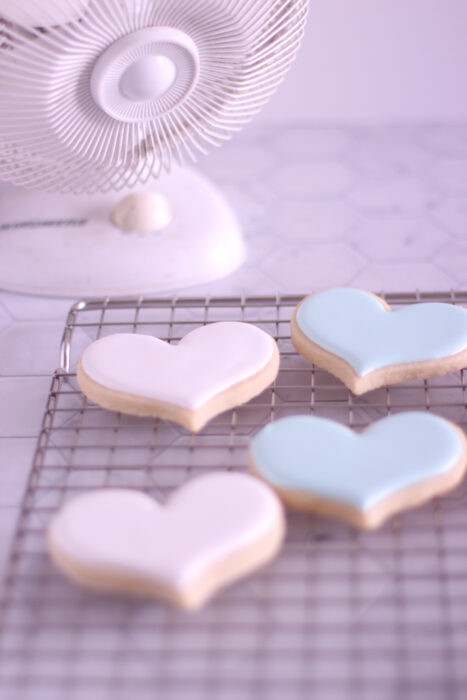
67, 246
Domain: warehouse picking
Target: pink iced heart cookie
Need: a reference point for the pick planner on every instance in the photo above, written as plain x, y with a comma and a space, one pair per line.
211, 370
355, 336
214, 530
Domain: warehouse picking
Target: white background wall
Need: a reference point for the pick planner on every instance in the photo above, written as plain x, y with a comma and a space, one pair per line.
378, 61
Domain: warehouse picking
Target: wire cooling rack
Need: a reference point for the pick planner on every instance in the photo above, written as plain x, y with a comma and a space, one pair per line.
339, 614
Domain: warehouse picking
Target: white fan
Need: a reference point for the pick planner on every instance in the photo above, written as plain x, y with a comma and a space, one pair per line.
101, 96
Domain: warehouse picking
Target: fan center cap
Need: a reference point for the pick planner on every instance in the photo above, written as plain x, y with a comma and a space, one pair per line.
148, 78
145, 74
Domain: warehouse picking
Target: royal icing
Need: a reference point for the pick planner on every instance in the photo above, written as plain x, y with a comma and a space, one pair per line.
355, 326
204, 363
320, 457
208, 520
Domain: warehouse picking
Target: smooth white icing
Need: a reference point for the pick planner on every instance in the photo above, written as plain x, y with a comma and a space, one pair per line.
321, 457
205, 362
355, 326
203, 523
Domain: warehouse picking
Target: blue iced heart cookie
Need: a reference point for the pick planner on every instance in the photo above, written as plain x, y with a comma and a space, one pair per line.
398, 462
354, 335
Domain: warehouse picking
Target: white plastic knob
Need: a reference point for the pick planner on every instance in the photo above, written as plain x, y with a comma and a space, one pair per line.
143, 212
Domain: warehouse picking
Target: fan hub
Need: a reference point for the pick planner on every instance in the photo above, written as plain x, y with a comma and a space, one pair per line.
145, 74
148, 78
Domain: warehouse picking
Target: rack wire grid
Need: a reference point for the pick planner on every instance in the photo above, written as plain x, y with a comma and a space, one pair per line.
338, 614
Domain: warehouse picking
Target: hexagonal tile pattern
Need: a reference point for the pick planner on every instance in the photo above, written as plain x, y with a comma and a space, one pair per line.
319, 180
451, 215
449, 176
22, 402
444, 140
407, 157
260, 244
452, 259
25, 308
15, 459
250, 204
247, 280
240, 162
30, 349
5, 318
312, 221
312, 268
402, 277
395, 149
301, 143
368, 163
400, 196
386, 240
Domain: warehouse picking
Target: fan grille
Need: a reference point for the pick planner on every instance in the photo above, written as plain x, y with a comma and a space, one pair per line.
54, 136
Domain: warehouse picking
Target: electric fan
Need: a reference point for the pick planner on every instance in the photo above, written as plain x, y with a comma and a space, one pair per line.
98, 98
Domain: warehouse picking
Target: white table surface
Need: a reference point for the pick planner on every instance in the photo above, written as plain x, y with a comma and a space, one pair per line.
380, 208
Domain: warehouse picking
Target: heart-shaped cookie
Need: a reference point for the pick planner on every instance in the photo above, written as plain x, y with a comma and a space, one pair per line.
213, 530
211, 370
322, 466
354, 335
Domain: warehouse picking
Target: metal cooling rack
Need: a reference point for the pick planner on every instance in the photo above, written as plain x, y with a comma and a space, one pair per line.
338, 615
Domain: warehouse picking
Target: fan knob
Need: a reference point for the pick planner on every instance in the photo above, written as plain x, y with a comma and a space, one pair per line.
145, 74
142, 212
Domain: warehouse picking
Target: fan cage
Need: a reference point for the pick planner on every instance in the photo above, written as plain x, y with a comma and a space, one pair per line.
53, 135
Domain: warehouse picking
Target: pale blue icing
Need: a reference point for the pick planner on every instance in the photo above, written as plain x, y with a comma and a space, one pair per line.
355, 326
327, 459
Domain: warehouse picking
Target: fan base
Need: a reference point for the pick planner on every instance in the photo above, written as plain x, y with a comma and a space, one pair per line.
66, 245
